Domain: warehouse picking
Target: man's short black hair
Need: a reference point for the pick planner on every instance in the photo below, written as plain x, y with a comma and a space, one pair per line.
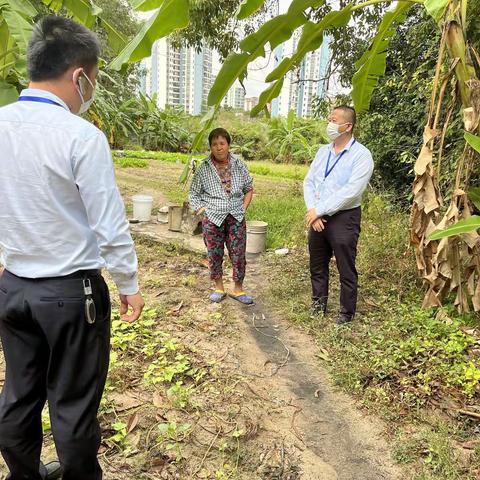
349, 113
217, 133
58, 43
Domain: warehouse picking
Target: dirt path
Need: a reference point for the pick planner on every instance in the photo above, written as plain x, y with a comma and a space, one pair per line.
334, 440
223, 392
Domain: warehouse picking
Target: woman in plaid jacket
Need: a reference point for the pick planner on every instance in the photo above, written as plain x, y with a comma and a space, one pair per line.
222, 190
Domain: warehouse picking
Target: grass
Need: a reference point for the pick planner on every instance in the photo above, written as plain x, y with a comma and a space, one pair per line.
130, 162
401, 361
284, 215
268, 169
278, 190
412, 367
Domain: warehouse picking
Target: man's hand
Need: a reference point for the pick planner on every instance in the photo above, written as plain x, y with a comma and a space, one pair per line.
136, 302
2, 269
310, 217
319, 224
200, 211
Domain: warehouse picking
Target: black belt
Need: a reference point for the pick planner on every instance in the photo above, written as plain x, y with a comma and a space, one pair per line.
83, 274
77, 274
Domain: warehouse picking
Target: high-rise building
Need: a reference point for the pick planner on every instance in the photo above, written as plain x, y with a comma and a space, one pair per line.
235, 98
180, 77
250, 103
304, 83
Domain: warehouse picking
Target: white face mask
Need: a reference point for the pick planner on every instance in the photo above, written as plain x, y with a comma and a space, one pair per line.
81, 91
332, 130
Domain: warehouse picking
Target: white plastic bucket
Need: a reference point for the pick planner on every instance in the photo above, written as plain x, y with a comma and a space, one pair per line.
142, 207
256, 236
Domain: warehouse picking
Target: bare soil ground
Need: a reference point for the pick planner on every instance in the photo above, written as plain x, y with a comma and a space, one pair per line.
202, 391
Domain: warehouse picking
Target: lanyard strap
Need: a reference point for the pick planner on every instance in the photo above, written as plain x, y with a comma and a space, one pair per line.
328, 170
27, 98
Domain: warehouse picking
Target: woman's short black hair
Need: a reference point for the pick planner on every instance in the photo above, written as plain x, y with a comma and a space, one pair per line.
58, 43
219, 132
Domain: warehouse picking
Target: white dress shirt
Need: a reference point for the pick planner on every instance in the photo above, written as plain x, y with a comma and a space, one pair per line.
60, 208
349, 172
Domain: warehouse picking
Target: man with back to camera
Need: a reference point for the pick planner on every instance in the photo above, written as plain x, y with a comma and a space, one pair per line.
333, 190
62, 220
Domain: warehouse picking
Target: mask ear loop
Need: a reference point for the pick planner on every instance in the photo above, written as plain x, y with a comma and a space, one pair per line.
80, 89
88, 80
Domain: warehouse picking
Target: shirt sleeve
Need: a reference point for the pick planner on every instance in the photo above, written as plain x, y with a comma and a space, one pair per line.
309, 184
247, 179
196, 190
95, 178
358, 182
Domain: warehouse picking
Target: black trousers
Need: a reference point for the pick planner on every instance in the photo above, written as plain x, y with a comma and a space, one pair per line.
52, 353
339, 238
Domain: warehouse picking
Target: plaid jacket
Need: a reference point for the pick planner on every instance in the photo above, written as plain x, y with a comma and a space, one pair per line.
207, 191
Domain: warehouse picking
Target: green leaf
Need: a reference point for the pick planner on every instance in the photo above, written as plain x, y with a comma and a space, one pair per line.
248, 7
185, 173
436, 8
24, 7
18, 27
87, 13
173, 15
115, 39
9, 50
311, 39
371, 65
275, 31
474, 196
465, 225
267, 96
54, 5
473, 141
8, 93
206, 123
146, 5
299, 6
233, 67
278, 29
290, 119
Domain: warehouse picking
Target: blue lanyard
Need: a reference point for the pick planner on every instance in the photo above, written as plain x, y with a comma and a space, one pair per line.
328, 170
39, 100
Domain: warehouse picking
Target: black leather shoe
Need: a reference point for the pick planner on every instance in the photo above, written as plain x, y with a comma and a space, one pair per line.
319, 307
343, 318
51, 471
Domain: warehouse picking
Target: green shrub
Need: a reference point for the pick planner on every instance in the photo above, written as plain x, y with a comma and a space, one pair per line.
125, 162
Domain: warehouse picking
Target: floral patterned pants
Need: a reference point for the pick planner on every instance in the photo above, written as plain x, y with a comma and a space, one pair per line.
231, 233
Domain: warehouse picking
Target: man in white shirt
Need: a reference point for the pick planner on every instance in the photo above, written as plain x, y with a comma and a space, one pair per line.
62, 221
333, 190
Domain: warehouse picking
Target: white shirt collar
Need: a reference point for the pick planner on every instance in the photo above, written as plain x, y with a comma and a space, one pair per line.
346, 147
35, 92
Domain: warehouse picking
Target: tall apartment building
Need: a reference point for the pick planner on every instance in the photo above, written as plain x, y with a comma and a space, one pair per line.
303, 84
235, 98
250, 103
179, 77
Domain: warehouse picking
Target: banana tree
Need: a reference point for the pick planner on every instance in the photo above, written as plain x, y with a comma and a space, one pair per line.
449, 265
290, 140
17, 18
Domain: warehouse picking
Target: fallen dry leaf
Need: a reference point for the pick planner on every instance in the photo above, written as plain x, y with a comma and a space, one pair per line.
176, 310
132, 422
